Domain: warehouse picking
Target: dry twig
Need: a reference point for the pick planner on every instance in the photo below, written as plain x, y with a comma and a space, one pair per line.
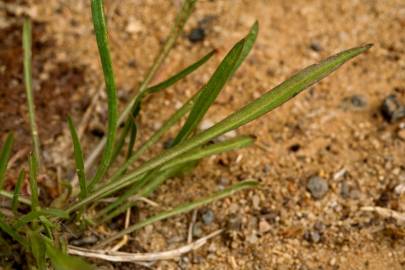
117, 256
386, 213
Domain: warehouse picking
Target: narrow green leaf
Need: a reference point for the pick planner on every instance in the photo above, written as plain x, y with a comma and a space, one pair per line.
78, 153
62, 261
17, 189
102, 43
181, 209
272, 99
38, 249
209, 150
180, 75
33, 165
177, 29
28, 87
211, 90
54, 212
4, 156
132, 138
12, 232
154, 89
35, 214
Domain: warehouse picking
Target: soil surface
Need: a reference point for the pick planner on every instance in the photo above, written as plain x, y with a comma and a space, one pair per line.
319, 158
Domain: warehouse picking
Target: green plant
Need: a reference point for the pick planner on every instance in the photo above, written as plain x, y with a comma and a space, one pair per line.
34, 228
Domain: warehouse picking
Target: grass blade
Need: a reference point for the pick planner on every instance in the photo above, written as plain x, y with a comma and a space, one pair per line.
209, 150
4, 156
17, 189
181, 209
180, 75
28, 87
181, 19
35, 214
154, 89
100, 29
211, 90
132, 138
33, 165
38, 249
62, 261
78, 153
12, 232
272, 99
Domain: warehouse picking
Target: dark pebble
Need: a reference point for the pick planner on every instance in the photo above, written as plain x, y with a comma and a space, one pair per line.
312, 236
391, 109
295, 147
358, 101
196, 35
318, 187
168, 143
315, 46
345, 190
207, 216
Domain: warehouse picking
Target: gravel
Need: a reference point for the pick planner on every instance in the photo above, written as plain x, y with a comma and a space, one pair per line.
196, 35
391, 109
318, 187
207, 216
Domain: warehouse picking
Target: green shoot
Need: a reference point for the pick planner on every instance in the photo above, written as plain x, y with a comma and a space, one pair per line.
17, 189
4, 156
27, 35
100, 29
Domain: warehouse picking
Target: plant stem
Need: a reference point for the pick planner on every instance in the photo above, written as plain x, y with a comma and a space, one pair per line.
27, 36
181, 19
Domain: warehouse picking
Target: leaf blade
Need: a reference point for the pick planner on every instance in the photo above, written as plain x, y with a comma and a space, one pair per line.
4, 156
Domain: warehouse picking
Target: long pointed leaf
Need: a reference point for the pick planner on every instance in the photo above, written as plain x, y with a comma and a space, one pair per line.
100, 29
4, 156
62, 261
33, 182
272, 99
181, 209
78, 153
211, 90
28, 87
17, 189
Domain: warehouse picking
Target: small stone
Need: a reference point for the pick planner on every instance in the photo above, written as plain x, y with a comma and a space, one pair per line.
391, 109
252, 239
256, 201
206, 124
315, 46
358, 101
400, 189
207, 216
312, 236
345, 190
197, 231
168, 143
196, 35
318, 187
294, 148
264, 226
134, 26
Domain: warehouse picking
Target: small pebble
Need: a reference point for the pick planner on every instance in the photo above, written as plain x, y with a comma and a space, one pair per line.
197, 231
345, 190
168, 143
87, 240
391, 109
318, 187
315, 46
358, 101
312, 236
264, 226
294, 148
207, 216
196, 35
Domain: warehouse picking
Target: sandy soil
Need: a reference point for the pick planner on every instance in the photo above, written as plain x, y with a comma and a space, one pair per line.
335, 130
